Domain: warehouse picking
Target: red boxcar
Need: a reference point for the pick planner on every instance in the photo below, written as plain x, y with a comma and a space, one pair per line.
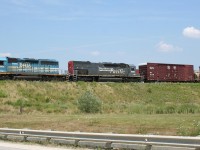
167, 72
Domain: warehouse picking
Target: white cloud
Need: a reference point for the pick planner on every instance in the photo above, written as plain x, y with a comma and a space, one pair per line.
191, 32
95, 53
164, 47
5, 54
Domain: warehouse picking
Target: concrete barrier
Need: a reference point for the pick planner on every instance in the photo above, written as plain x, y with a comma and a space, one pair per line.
129, 146
171, 148
3, 137
91, 144
15, 138
62, 141
37, 139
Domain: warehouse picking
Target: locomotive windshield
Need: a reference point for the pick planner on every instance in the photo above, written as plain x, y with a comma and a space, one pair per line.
12, 60
132, 68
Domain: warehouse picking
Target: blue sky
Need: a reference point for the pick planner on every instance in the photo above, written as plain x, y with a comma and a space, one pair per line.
129, 31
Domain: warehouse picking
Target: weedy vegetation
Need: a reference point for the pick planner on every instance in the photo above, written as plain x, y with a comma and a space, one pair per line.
105, 99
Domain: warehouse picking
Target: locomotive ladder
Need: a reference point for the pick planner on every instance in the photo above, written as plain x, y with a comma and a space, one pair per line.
67, 77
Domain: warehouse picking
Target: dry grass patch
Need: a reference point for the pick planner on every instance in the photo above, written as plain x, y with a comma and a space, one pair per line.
124, 124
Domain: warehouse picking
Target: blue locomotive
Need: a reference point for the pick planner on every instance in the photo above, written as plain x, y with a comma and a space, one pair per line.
29, 68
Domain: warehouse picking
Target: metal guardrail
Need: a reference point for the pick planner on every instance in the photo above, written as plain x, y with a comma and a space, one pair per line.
109, 140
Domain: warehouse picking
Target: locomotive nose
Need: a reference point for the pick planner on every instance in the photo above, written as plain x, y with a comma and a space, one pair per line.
71, 67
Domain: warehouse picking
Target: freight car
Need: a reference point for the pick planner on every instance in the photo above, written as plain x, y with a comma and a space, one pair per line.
29, 69
88, 71
152, 72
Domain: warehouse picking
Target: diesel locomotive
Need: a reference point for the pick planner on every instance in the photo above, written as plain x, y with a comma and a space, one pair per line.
30, 69
88, 71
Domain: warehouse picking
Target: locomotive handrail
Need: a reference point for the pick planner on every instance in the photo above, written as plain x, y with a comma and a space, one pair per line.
149, 140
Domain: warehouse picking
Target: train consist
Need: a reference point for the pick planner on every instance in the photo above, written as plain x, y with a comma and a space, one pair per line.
48, 69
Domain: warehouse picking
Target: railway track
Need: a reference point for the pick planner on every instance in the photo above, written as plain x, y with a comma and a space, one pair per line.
102, 140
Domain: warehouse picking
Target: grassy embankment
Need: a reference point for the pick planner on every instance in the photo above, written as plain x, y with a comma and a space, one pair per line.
164, 108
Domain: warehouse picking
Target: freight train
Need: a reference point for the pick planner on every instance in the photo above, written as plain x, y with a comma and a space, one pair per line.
48, 69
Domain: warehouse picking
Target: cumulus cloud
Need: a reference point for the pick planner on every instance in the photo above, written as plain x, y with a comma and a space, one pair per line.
5, 54
164, 47
95, 53
191, 32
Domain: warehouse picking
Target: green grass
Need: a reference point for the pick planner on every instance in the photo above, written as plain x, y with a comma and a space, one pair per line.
158, 108
129, 98
2, 94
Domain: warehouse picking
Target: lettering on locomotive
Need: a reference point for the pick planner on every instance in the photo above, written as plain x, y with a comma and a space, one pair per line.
112, 70
24, 65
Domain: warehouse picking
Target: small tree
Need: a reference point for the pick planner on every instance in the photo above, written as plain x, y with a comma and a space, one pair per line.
20, 103
88, 103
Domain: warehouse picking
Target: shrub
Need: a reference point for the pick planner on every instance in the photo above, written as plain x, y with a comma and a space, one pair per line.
149, 90
88, 103
2, 94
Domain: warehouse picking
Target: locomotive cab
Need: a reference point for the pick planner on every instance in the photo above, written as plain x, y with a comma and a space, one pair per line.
71, 67
132, 70
3, 64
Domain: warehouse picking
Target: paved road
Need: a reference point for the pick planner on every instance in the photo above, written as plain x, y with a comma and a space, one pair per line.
22, 146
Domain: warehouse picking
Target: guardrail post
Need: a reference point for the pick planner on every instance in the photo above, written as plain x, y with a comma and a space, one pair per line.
4, 137
148, 147
25, 138
48, 139
76, 143
108, 145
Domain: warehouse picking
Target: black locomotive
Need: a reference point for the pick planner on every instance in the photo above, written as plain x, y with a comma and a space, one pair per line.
88, 71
